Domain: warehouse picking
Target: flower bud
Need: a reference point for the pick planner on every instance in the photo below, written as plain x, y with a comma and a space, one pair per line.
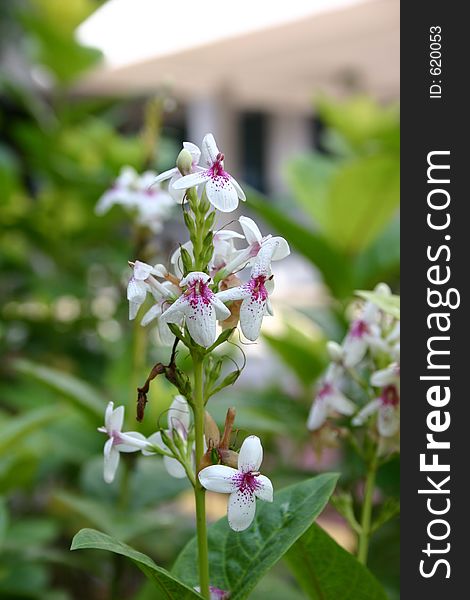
229, 458
211, 431
335, 351
382, 289
184, 162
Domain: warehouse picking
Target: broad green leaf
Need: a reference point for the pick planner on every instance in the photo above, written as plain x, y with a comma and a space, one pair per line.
364, 196
328, 572
380, 261
310, 178
304, 355
389, 304
239, 560
168, 586
332, 264
79, 392
16, 428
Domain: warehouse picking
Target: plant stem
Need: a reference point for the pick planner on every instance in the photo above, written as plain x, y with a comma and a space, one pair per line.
366, 516
199, 491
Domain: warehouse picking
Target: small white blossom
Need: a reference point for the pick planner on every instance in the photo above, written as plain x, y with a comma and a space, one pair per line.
200, 307
174, 174
144, 281
130, 441
152, 206
222, 189
244, 484
387, 406
255, 293
179, 421
329, 399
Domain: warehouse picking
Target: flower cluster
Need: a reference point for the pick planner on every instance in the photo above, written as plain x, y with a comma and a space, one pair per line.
203, 292
368, 359
137, 194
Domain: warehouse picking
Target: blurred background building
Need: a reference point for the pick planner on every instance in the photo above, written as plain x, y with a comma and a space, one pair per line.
247, 71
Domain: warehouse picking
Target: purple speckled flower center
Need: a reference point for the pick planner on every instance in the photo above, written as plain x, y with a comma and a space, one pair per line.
246, 482
359, 328
217, 168
116, 437
257, 288
325, 390
390, 396
198, 292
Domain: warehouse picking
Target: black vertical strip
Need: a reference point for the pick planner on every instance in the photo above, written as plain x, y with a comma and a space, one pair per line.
435, 119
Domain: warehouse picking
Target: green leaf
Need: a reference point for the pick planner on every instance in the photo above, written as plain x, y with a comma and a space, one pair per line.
389, 304
310, 177
80, 393
315, 247
168, 586
15, 429
364, 196
239, 560
327, 572
304, 355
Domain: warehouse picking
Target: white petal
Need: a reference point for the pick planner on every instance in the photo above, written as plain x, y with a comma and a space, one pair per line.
385, 376
235, 293
174, 467
369, 409
142, 270
221, 193
269, 308
282, 248
209, 149
262, 264
388, 422
195, 276
116, 419
202, 324
107, 415
179, 417
177, 195
164, 333
155, 440
338, 402
250, 230
264, 491
174, 313
133, 441
221, 311
241, 510
354, 350
191, 180
193, 150
151, 314
318, 414
251, 454
111, 462
238, 189
227, 234
218, 478
252, 312
165, 175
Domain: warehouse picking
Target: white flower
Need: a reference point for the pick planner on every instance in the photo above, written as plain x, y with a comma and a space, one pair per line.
174, 174
329, 400
221, 188
255, 293
388, 376
255, 242
130, 441
179, 421
142, 282
388, 408
200, 307
152, 205
155, 312
224, 248
244, 485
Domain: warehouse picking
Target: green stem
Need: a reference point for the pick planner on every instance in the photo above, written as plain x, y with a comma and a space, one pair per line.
199, 491
366, 516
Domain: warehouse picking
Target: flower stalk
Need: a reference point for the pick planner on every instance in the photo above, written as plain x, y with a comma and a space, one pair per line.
366, 514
